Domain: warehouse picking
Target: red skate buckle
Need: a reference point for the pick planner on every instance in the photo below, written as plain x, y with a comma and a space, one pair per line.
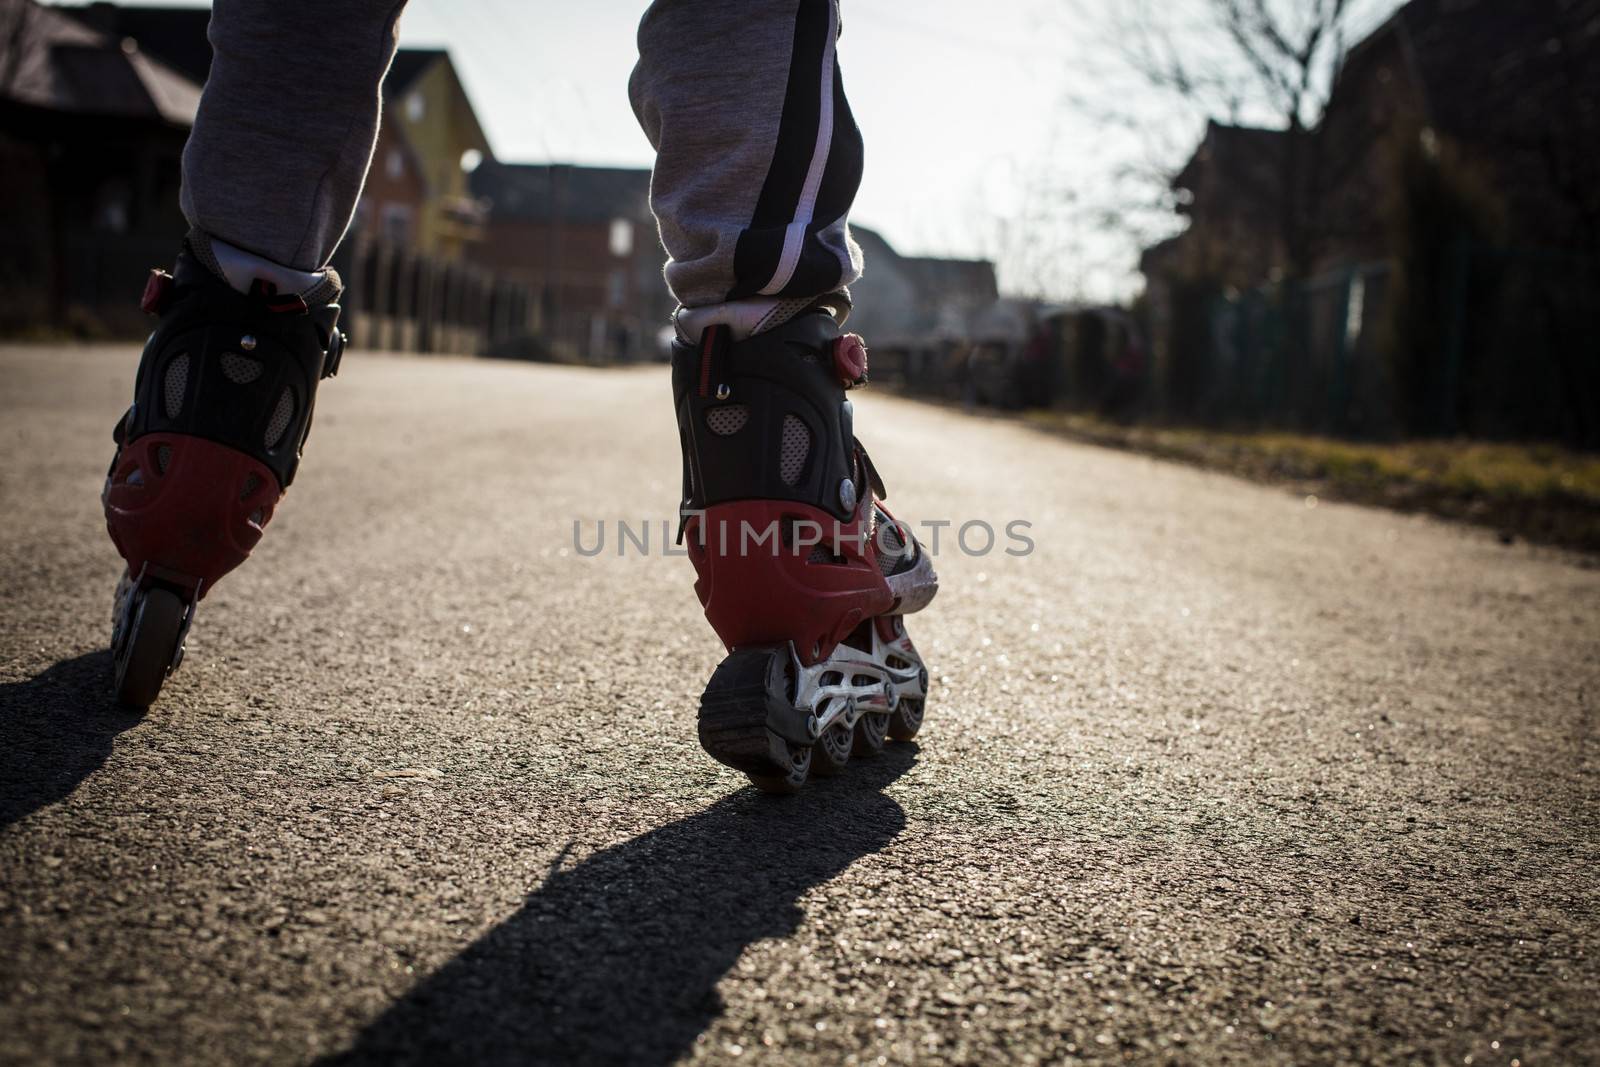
850, 360
276, 302
157, 292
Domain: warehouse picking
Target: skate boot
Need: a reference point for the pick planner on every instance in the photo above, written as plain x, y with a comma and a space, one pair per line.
802, 572
222, 405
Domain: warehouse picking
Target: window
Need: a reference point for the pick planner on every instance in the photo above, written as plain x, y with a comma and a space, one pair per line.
394, 164
113, 206
416, 107
621, 237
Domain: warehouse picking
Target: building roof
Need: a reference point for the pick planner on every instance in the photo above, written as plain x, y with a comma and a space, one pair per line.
174, 35
1245, 156
62, 64
1486, 65
935, 275
409, 65
967, 277
539, 192
1162, 257
177, 36
917, 299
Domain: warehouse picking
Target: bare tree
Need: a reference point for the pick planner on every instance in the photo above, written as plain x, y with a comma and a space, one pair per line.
1268, 61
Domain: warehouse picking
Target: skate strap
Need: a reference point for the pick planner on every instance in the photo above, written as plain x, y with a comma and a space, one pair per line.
714, 345
276, 302
873, 477
157, 292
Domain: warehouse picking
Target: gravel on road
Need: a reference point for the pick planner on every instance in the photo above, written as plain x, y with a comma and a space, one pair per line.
1211, 775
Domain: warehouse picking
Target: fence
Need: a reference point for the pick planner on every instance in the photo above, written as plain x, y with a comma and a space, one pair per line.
1308, 357
1475, 340
398, 300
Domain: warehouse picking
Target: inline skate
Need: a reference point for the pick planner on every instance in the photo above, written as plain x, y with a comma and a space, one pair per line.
222, 406
802, 571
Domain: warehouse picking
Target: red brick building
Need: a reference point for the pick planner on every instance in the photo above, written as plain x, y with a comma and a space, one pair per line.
584, 240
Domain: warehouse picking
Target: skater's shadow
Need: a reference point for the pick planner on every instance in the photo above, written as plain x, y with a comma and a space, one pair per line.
617, 959
56, 729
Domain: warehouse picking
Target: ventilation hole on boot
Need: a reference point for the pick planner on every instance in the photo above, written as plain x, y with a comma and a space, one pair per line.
783, 311
280, 418
796, 446
820, 554
136, 478
252, 482
891, 548
258, 517
174, 383
240, 370
728, 419
163, 458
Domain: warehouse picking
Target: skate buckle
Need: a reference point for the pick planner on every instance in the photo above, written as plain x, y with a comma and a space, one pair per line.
850, 360
157, 292
334, 352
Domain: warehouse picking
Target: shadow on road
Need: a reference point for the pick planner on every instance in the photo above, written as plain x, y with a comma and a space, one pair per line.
56, 730
617, 959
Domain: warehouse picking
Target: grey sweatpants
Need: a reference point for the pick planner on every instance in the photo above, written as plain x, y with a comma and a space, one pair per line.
757, 155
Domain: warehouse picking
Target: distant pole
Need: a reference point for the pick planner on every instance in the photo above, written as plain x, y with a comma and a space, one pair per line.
1456, 279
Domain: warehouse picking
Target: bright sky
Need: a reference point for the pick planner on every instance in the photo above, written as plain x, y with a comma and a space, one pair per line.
980, 120
952, 112
984, 122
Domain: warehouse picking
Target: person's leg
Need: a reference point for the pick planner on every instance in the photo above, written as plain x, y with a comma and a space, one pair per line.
802, 573
286, 127
757, 155
248, 326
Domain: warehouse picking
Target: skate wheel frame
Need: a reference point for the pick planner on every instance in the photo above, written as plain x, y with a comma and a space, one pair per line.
872, 687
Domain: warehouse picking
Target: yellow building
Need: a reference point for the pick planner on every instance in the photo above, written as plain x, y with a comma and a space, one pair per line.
431, 137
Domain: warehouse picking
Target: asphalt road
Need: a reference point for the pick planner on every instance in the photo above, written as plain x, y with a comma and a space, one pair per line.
1212, 775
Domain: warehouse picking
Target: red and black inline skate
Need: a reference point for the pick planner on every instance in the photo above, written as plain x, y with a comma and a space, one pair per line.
222, 406
802, 572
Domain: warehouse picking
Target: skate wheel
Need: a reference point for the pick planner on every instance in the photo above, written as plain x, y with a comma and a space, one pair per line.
792, 764
832, 750
906, 719
148, 646
870, 733
733, 719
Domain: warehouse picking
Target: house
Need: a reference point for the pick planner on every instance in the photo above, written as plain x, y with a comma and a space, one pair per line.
175, 35
1510, 92
936, 325
1459, 151
91, 137
420, 187
905, 301
1449, 237
1232, 192
584, 240
1508, 95
416, 193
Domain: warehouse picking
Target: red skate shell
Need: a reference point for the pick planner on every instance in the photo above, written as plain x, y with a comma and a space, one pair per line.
194, 511
770, 592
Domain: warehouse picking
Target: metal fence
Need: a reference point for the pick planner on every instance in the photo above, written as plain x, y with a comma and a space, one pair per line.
398, 300
1477, 340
